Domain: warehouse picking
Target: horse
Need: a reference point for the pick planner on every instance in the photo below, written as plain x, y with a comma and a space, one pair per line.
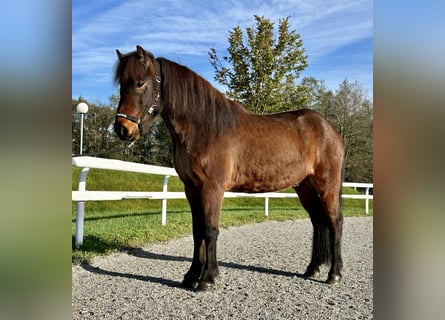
219, 146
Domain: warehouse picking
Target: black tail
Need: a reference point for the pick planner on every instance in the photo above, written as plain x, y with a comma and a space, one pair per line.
321, 245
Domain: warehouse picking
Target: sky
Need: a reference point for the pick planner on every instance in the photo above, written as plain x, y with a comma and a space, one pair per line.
337, 36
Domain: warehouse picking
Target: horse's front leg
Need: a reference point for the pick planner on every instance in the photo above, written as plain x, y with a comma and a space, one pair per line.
191, 278
211, 270
211, 200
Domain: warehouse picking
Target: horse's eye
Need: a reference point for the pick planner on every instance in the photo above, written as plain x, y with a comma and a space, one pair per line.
140, 84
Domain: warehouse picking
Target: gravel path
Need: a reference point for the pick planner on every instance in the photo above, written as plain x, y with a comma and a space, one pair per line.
260, 278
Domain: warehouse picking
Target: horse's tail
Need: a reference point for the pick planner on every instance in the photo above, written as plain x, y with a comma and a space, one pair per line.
321, 244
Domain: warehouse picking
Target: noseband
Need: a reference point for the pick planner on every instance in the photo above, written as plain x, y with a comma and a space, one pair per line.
148, 108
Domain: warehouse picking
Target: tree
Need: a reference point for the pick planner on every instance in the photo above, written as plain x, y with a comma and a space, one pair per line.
352, 113
312, 94
98, 128
264, 68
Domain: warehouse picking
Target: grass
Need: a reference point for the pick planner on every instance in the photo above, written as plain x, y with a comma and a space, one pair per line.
118, 225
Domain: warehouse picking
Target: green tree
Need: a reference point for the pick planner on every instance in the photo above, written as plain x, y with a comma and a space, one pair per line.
98, 132
352, 113
313, 94
264, 68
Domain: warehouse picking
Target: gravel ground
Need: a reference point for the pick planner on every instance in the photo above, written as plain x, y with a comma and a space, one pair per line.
261, 268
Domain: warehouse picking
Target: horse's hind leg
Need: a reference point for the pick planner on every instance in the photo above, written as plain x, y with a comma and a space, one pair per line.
329, 191
330, 198
326, 218
320, 240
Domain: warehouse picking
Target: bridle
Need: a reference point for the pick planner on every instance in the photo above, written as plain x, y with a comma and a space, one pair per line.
149, 109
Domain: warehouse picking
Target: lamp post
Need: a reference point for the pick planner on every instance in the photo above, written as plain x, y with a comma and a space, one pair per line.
81, 108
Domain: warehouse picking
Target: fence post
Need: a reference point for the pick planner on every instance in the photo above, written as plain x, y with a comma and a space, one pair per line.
164, 202
367, 201
80, 213
266, 206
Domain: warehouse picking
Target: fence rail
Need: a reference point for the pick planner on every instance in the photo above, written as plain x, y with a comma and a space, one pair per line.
82, 194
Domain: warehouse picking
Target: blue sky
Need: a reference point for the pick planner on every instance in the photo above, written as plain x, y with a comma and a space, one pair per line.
337, 36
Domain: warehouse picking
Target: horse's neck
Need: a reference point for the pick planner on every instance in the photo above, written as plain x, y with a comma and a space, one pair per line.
177, 131
193, 110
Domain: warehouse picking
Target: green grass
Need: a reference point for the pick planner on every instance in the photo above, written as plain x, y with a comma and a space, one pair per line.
118, 225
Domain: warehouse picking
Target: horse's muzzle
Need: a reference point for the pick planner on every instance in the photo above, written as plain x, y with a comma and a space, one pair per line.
126, 130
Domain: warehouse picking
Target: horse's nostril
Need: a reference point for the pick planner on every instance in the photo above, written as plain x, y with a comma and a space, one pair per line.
123, 131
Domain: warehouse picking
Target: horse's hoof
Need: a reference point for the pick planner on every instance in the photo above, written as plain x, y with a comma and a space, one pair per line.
312, 274
334, 279
189, 284
205, 286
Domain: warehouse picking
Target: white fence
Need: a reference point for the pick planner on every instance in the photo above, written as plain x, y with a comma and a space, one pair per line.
87, 163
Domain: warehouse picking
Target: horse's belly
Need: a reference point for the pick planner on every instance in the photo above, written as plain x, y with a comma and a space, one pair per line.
257, 187
255, 181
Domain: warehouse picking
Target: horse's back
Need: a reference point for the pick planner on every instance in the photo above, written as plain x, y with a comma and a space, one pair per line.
305, 119
305, 129
272, 152
314, 130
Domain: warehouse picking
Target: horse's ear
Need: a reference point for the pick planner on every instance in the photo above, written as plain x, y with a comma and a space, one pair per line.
119, 55
141, 54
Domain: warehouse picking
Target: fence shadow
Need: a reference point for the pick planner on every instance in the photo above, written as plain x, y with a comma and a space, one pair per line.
140, 253
119, 216
166, 282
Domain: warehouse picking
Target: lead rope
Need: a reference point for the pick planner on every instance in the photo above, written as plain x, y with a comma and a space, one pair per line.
127, 147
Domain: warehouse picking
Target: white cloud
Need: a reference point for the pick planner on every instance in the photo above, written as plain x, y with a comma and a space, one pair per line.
194, 21
179, 29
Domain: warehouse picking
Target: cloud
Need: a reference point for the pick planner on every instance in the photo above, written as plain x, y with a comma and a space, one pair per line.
186, 30
323, 22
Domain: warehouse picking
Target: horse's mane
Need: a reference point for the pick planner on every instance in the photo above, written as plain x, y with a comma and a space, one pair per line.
129, 67
193, 98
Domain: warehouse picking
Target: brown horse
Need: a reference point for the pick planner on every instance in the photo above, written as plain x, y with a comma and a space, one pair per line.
219, 146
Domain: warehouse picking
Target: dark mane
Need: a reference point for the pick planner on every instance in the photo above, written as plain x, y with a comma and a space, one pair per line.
129, 67
188, 94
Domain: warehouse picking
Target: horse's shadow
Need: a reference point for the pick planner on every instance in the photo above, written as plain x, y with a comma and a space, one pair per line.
140, 253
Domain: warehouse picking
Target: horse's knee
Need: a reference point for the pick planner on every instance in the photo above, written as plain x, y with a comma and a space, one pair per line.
211, 233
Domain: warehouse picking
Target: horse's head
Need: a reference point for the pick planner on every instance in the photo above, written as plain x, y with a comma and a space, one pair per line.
138, 75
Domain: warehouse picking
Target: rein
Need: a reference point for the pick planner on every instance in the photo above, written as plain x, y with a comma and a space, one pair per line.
149, 108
